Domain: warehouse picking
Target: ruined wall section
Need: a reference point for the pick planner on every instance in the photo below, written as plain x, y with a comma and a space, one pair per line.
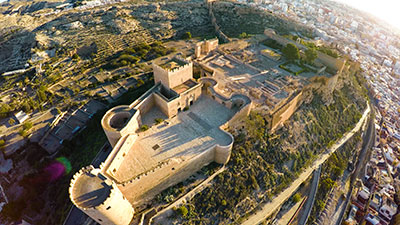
335, 64
205, 47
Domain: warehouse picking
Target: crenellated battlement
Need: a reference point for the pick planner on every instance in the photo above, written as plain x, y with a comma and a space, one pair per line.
99, 197
78, 188
187, 63
159, 166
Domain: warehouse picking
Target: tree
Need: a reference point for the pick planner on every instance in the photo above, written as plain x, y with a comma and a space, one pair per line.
144, 127
75, 56
187, 35
26, 107
27, 125
140, 82
311, 55
296, 197
158, 120
183, 210
11, 121
243, 35
291, 52
4, 110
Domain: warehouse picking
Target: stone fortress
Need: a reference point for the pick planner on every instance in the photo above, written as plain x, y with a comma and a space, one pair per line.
179, 125
144, 162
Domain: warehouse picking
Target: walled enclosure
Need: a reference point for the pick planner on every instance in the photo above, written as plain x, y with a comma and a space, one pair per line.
324, 59
175, 89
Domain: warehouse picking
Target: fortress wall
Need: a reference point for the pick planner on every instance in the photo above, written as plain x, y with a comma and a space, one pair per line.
118, 115
190, 95
171, 108
117, 156
204, 47
219, 33
242, 113
197, 49
113, 209
177, 170
332, 81
270, 33
164, 106
133, 125
336, 64
113, 136
137, 102
218, 98
145, 105
285, 112
210, 45
223, 153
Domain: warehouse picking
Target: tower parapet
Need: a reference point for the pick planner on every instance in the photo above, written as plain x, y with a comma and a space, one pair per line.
172, 71
99, 197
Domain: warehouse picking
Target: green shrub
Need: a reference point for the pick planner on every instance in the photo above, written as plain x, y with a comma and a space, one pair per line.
27, 125
158, 120
75, 56
186, 108
140, 82
183, 211
11, 121
187, 35
144, 127
296, 197
2, 142
23, 133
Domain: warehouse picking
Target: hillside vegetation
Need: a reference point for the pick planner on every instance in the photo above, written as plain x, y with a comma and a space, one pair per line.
263, 165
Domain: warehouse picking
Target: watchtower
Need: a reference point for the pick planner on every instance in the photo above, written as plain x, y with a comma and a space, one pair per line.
99, 197
172, 72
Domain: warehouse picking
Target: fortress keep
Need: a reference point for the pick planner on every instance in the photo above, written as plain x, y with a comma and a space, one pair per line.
143, 161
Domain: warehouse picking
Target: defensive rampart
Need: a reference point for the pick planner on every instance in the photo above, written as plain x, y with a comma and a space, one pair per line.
284, 112
218, 31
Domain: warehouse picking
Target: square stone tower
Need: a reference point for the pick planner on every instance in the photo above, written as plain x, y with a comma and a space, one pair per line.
172, 71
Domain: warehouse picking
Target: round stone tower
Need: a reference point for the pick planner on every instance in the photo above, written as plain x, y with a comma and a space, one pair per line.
119, 121
100, 198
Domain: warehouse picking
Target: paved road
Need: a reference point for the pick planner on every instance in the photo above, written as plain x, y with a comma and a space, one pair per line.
76, 216
368, 142
270, 207
310, 201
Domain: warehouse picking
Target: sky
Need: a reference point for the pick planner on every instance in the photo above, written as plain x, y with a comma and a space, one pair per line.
387, 10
